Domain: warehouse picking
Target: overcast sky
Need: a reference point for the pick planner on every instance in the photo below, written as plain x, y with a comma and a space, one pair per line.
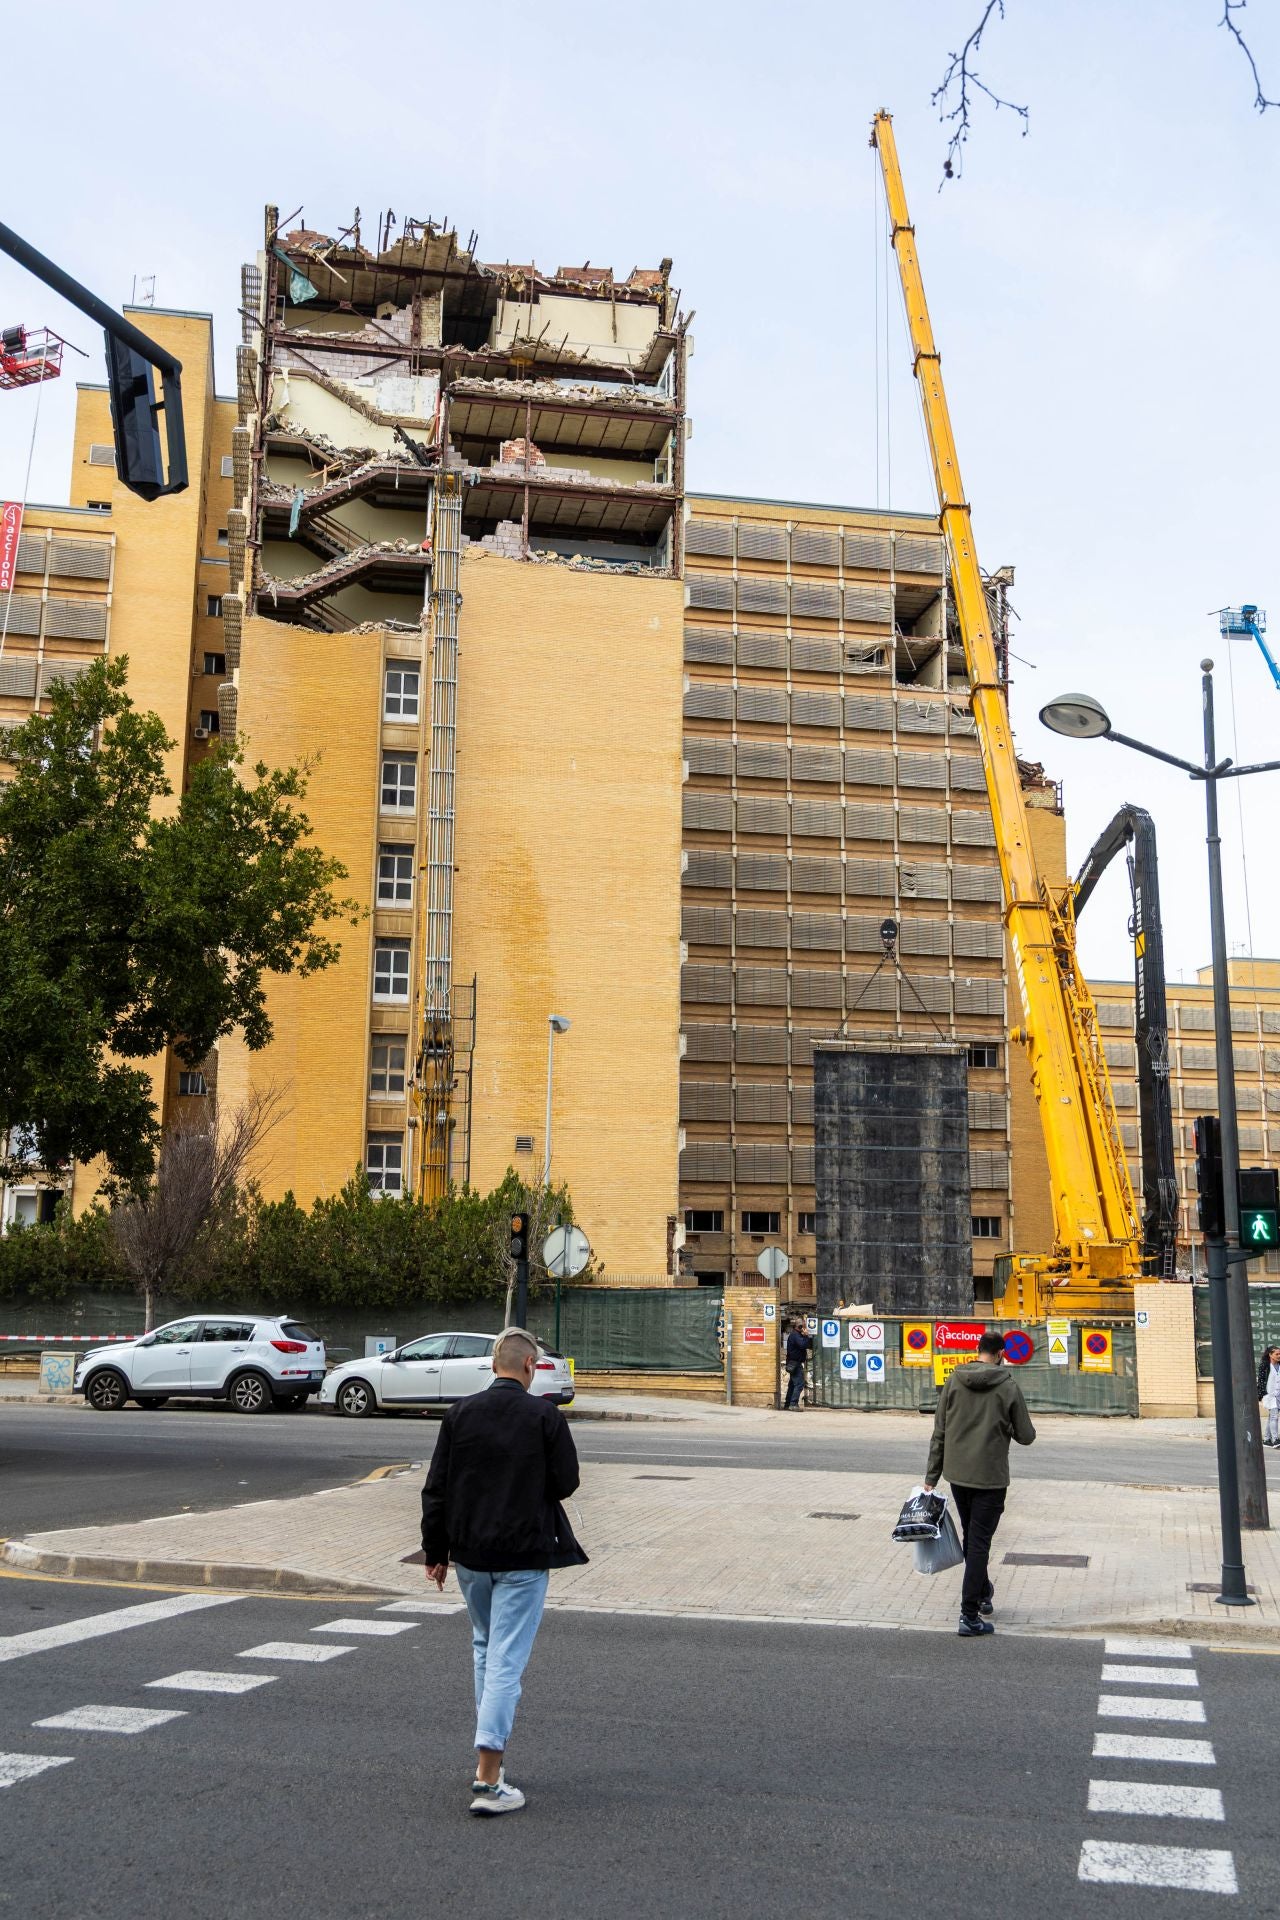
1104, 291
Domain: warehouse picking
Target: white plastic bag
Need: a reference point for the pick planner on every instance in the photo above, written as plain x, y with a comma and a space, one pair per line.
938, 1556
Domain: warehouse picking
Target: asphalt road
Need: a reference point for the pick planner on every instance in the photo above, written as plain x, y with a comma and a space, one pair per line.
671, 1767
66, 1467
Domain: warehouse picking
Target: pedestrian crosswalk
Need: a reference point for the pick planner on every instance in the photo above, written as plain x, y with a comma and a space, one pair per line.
115, 1719
1131, 1661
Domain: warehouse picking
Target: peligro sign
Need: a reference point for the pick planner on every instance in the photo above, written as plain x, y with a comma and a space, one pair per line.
957, 1336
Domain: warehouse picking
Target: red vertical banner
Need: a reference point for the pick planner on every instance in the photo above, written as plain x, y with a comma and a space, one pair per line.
10, 530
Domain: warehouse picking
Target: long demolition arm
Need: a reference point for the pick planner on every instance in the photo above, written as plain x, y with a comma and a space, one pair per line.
1092, 1196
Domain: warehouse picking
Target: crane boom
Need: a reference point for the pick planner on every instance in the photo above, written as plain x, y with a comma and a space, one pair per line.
1095, 1217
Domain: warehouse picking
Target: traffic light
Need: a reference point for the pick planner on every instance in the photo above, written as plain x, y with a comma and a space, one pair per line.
1259, 1191
1213, 1206
519, 1236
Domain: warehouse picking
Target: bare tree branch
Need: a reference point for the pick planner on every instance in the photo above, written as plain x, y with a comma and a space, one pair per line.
962, 78
1260, 100
201, 1167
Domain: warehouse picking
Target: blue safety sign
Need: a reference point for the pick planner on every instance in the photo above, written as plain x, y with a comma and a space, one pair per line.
874, 1366
831, 1333
849, 1365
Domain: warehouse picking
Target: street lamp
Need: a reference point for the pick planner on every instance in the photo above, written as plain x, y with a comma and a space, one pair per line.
556, 1023
1079, 716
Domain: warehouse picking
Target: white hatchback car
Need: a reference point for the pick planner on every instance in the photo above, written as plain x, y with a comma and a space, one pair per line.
431, 1372
254, 1363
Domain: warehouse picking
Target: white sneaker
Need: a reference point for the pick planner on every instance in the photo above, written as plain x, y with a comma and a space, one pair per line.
499, 1799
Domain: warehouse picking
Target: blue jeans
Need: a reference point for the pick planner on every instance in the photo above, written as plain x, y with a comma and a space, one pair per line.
796, 1384
505, 1611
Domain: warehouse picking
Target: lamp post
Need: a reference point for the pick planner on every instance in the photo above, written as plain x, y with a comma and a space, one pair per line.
1241, 1469
556, 1023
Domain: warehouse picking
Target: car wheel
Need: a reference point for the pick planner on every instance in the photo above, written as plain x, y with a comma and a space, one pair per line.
150, 1400
250, 1393
107, 1391
356, 1399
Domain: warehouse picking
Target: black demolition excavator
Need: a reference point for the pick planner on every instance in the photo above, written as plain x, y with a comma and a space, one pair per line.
1133, 831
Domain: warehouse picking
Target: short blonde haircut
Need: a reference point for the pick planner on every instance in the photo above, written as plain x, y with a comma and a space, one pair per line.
513, 1337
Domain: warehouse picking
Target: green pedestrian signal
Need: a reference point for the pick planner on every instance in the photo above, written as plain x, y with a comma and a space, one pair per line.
1260, 1230
1259, 1194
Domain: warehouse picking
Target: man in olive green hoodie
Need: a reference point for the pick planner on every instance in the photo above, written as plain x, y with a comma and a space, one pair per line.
980, 1409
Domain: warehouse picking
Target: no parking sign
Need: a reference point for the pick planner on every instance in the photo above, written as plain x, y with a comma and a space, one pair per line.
1095, 1350
1018, 1347
917, 1343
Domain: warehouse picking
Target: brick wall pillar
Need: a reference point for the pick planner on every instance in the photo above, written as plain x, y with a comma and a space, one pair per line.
755, 1362
1166, 1351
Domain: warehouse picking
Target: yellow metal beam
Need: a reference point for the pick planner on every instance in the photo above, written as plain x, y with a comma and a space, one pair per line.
1094, 1211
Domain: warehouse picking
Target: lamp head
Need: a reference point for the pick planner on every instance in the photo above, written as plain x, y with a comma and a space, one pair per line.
557, 1023
1078, 715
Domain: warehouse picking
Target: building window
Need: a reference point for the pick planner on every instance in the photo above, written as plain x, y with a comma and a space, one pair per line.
704, 1220
228, 466
808, 1223
400, 694
210, 720
399, 782
26, 1208
395, 876
216, 664
213, 606
386, 1066
983, 1053
102, 506
391, 970
22, 1147
986, 1226
384, 1163
192, 1085
761, 1222
222, 536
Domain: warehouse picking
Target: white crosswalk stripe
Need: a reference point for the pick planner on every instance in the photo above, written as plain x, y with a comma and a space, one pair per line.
371, 1627
16, 1646
424, 1606
1148, 1706
1146, 1746
1151, 1800
1116, 1676
24, 1766
1193, 1869
1132, 1646
293, 1650
111, 1719
200, 1680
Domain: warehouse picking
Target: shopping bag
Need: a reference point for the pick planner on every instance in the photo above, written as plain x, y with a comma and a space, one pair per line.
941, 1553
921, 1517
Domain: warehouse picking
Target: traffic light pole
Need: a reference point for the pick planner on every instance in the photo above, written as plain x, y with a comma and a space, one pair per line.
1235, 1350
1235, 1592
522, 1293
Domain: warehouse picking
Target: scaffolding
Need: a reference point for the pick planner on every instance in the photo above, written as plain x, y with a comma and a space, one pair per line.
436, 1076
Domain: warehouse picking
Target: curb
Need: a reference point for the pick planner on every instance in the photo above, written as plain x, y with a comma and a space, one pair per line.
187, 1573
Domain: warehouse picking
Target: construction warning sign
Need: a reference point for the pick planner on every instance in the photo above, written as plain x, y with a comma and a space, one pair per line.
945, 1364
917, 1343
1057, 1335
1095, 1350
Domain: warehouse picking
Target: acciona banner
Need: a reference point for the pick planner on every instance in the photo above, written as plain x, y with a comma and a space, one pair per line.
10, 530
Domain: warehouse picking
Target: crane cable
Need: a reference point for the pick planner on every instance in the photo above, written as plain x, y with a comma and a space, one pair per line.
26, 492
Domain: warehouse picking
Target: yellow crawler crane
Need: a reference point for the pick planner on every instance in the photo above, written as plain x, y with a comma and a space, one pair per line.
1097, 1253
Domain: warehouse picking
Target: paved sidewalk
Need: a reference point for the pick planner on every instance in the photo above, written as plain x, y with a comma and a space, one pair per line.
763, 1544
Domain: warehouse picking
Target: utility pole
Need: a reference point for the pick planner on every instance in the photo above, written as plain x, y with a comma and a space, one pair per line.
1233, 1283
1213, 1225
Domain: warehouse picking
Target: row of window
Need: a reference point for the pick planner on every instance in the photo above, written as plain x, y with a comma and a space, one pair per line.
984, 1226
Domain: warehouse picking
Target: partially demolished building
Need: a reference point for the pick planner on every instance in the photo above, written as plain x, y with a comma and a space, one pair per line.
455, 574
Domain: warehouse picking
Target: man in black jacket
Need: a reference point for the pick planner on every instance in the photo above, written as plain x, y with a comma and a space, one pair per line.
799, 1347
504, 1461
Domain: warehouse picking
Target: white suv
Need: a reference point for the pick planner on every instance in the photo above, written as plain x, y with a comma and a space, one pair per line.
254, 1363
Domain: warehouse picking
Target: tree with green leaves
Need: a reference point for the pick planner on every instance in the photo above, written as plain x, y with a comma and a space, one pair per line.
127, 926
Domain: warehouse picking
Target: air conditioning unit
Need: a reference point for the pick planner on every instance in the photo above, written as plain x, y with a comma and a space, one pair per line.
199, 733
